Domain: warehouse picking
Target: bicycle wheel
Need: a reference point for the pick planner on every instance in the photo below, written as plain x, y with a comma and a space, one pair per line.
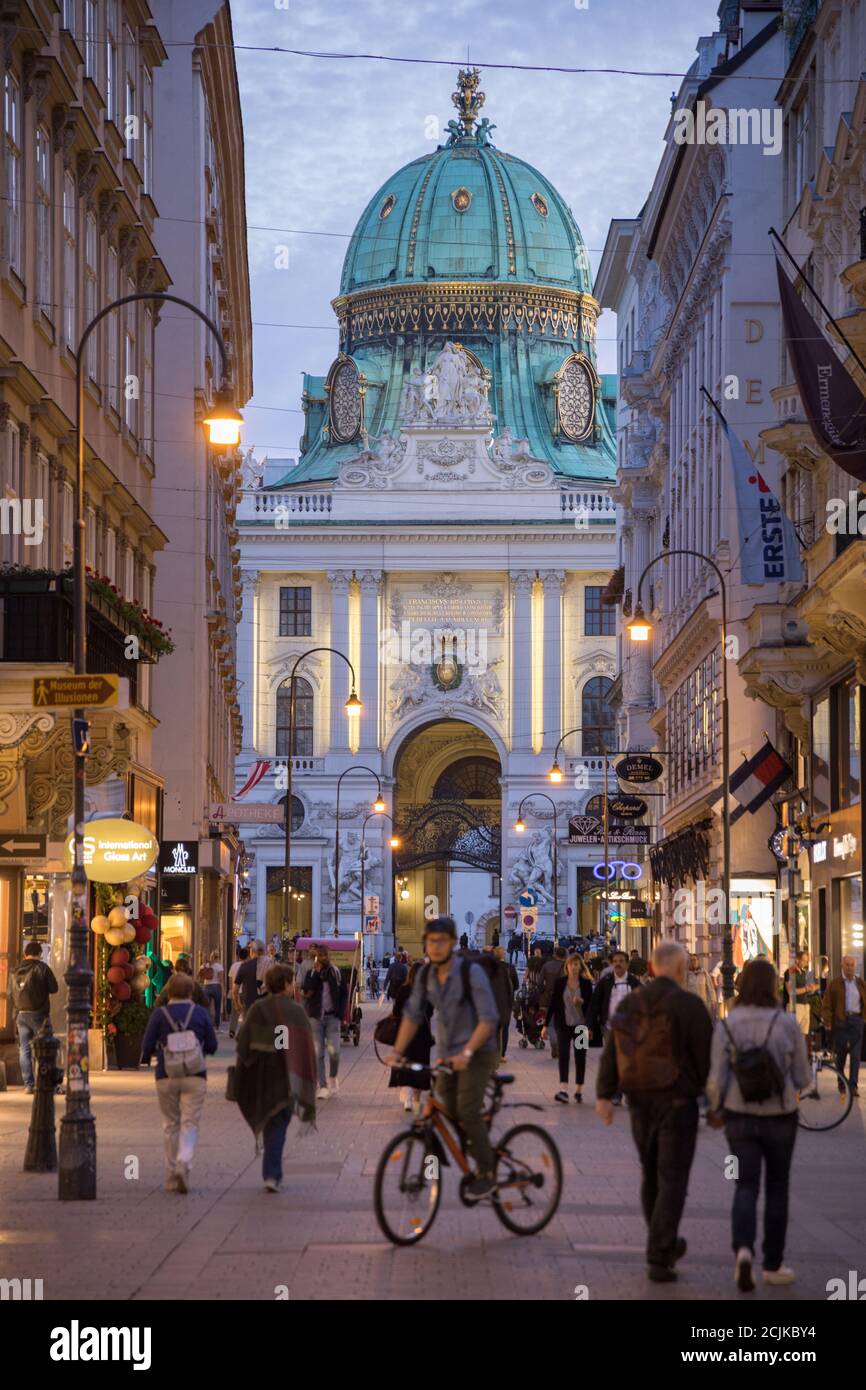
406, 1199
529, 1179
827, 1102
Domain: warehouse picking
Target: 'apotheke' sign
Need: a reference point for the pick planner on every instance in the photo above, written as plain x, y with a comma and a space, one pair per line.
178, 858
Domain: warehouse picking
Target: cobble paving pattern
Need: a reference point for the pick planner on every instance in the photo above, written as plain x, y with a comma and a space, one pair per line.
318, 1239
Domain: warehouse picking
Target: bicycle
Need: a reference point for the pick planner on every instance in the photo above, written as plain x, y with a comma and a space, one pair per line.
827, 1102
408, 1184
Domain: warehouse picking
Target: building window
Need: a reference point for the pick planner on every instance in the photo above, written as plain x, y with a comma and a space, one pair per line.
91, 290
297, 816
44, 275
12, 124
91, 37
296, 612
69, 16
821, 755
131, 389
147, 385
597, 722
111, 329
599, 618
303, 732
131, 113
848, 742
111, 31
70, 263
147, 134
693, 723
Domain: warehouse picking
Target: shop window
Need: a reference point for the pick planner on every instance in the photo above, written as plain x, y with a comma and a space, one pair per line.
821, 755
851, 920
846, 710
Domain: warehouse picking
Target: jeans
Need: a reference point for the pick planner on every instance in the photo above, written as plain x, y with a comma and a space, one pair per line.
326, 1035
753, 1138
848, 1043
273, 1139
565, 1046
215, 994
181, 1099
665, 1132
462, 1096
28, 1024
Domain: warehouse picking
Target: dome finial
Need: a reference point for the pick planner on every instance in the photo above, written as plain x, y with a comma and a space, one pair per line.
468, 99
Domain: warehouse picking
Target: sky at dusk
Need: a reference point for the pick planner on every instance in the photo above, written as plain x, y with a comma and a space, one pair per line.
322, 134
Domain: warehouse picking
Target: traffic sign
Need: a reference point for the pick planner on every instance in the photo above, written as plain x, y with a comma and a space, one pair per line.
509, 912
80, 692
14, 844
528, 898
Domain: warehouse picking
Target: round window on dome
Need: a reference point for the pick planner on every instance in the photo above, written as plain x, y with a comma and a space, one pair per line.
387, 207
539, 204
461, 198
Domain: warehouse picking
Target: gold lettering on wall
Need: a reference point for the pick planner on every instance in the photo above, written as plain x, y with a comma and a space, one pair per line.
754, 386
754, 330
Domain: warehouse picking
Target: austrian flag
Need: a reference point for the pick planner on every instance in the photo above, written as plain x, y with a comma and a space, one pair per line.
757, 779
253, 780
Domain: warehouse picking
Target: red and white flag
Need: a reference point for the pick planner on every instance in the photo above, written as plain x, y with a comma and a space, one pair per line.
253, 780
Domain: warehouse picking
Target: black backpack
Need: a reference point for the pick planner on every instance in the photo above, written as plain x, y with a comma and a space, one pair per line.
30, 987
757, 1072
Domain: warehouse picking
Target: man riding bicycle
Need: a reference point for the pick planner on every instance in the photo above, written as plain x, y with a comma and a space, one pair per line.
466, 1022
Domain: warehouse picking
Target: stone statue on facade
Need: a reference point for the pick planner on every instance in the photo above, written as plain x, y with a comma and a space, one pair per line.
407, 691
533, 867
452, 392
350, 867
483, 691
252, 470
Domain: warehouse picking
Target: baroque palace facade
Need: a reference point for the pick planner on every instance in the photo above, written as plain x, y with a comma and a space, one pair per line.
449, 528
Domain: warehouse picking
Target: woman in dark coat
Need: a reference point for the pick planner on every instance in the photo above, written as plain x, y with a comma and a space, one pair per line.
412, 1083
568, 1005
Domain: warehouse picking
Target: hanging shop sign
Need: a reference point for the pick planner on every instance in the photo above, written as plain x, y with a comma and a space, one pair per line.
627, 807
115, 851
589, 830
639, 767
681, 856
178, 858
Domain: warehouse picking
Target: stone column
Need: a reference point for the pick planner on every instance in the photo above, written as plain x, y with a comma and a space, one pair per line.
368, 676
521, 664
339, 684
246, 657
553, 581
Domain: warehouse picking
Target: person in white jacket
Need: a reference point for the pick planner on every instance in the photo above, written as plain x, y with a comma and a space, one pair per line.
758, 1064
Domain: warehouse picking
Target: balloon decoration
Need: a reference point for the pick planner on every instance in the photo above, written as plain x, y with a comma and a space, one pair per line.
99, 924
115, 936
128, 972
117, 917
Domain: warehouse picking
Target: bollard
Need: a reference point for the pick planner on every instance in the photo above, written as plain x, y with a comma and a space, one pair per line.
41, 1152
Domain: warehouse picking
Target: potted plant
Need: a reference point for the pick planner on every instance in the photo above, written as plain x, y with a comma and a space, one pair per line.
130, 1023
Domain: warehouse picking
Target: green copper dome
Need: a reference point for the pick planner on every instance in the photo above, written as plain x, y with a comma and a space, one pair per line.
466, 212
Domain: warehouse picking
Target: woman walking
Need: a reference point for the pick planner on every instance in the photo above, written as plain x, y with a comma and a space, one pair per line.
758, 1065
412, 1083
181, 1086
567, 1009
276, 1075
211, 979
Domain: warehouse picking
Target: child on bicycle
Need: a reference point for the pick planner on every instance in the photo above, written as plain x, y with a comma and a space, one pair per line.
467, 1019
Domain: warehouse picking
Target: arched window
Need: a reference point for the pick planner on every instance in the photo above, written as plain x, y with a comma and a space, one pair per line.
597, 720
297, 818
469, 779
303, 739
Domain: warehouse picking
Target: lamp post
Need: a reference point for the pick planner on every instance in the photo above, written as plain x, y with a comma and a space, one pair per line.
394, 843
555, 775
639, 630
378, 806
353, 709
77, 1148
520, 827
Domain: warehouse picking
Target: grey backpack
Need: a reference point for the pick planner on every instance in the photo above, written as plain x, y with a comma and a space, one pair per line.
181, 1052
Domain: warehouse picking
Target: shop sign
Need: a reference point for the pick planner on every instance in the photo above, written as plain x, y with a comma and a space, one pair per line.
178, 858
627, 807
115, 850
589, 830
843, 845
639, 767
819, 851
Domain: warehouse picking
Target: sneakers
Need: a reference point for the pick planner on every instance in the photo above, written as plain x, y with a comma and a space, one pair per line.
181, 1176
479, 1188
271, 1185
578, 1097
322, 1093
743, 1277
334, 1085
782, 1275
562, 1097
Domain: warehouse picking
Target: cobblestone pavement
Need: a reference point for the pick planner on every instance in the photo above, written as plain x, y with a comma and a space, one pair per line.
228, 1239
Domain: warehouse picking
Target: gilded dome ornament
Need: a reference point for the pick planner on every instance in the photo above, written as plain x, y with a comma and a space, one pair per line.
387, 207
468, 100
539, 204
461, 198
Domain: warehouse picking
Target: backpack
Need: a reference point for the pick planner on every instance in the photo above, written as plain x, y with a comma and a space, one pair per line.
756, 1069
494, 970
30, 987
645, 1046
182, 1052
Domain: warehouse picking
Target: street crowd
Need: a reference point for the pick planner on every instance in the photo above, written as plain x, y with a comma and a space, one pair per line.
666, 1054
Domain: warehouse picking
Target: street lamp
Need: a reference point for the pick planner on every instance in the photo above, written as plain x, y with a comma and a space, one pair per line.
520, 826
640, 630
378, 806
77, 1147
393, 843
353, 709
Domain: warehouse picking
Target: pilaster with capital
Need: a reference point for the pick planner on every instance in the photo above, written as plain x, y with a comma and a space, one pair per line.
637, 678
247, 667
521, 664
553, 582
370, 583
339, 581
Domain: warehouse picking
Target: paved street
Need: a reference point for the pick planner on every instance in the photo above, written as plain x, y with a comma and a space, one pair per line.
229, 1240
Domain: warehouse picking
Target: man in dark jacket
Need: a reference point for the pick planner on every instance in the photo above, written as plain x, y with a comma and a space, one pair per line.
324, 994
33, 983
611, 991
395, 976
675, 1030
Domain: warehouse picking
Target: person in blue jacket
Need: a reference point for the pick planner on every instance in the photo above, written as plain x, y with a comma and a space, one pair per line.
181, 1098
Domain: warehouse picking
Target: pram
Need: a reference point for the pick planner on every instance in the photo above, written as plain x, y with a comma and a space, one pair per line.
529, 1016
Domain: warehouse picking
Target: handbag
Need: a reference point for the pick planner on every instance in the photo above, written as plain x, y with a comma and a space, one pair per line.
232, 1084
386, 1030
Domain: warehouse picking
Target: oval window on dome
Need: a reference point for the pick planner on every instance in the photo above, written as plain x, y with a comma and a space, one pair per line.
387, 207
461, 198
344, 389
539, 204
575, 399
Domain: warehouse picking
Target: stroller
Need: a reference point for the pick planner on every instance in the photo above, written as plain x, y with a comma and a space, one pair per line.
529, 1016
